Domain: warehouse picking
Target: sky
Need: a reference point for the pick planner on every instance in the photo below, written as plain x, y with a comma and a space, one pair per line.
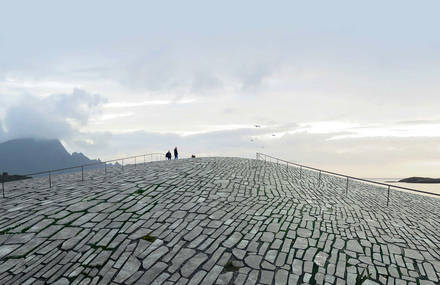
347, 86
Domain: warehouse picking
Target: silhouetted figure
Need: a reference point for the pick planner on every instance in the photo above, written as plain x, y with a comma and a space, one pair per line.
176, 154
193, 156
168, 155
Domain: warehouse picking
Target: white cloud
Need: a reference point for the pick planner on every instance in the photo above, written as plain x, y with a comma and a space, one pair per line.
112, 116
32, 84
389, 131
148, 103
55, 116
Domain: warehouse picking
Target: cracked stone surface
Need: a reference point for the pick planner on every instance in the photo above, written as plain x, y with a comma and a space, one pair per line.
214, 221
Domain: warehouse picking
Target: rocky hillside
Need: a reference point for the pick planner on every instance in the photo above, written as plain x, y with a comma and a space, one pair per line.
22, 156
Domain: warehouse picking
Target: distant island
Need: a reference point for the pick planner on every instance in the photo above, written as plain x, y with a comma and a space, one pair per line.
420, 180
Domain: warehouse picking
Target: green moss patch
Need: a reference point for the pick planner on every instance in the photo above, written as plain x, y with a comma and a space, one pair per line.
149, 238
229, 267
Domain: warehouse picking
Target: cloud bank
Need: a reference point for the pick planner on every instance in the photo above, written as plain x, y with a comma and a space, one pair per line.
55, 116
353, 149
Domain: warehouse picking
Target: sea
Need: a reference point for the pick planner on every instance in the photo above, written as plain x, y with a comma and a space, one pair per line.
427, 187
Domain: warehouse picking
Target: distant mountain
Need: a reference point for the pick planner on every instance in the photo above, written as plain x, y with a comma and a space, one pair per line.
23, 156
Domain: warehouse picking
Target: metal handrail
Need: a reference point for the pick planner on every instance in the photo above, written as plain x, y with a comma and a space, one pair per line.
346, 176
82, 168
90, 164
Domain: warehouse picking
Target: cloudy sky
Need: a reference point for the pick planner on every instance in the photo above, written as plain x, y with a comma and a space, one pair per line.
347, 86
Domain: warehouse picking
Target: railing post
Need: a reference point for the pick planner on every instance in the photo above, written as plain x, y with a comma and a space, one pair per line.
82, 173
3, 185
319, 180
346, 189
50, 180
105, 168
151, 157
287, 166
135, 162
388, 196
144, 159
300, 172
122, 165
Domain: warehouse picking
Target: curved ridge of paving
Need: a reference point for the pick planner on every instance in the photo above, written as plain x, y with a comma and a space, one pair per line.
214, 221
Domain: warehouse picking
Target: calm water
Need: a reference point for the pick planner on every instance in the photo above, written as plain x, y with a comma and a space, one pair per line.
428, 187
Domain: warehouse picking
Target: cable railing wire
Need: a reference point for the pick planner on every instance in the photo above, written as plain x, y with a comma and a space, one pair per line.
258, 156
151, 155
347, 177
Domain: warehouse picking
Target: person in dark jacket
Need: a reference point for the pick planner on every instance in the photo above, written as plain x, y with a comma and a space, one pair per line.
176, 154
168, 155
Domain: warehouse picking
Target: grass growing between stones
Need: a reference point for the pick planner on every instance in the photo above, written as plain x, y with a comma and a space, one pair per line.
24, 230
94, 246
229, 267
361, 278
315, 269
149, 238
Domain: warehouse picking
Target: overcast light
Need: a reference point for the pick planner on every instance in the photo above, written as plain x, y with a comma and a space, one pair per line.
338, 84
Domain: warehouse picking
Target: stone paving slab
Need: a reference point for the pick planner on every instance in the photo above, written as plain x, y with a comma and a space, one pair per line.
214, 221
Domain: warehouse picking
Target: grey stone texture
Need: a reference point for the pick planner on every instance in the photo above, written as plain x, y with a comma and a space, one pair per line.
214, 221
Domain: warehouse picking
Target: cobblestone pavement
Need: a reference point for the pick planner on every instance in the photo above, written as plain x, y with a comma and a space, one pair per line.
214, 221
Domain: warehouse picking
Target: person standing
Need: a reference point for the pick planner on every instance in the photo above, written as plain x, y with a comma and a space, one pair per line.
176, 154
168, 155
